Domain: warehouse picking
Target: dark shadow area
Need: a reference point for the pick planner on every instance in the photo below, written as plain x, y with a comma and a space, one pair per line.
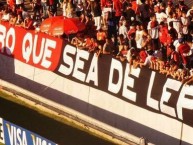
7, 73
46, 127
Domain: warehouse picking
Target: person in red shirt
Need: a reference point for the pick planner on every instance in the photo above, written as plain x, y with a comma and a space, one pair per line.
174, 56
163, 33
28, 23
93, 46
103, 4
123, 47
143, 55
174, 64
183, 49
163, 37
101, 36
10, 3
87, 42
117, 6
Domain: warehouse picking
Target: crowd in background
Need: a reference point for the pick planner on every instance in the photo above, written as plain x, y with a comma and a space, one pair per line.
152, 33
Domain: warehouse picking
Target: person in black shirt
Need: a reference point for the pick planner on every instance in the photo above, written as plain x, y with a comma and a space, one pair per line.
130, 14
97, 15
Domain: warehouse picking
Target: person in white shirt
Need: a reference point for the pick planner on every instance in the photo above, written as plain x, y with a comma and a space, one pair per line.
153, 31
160, 16
169, 8
177, 24
189, 12
123, 29
185, 22
169, 18
139, 36
176, 44
5, 16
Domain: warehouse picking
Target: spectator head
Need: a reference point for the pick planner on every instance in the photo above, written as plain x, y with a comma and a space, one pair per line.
157, 8
129, 5
139, 25
170, 3
191, 33
162, 5
170, 14
121, 36
175, 15
27, 16
152, 17
191, 12
154, 2
171, 24
13, 15
124, 22
191, 71
108, 40
172, 47
181, 2
183, 13
133, 25
162, 23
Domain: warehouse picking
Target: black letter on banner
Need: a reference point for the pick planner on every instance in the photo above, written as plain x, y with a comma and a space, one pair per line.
1, 131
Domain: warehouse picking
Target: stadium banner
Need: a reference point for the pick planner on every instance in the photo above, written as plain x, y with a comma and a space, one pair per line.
147, 89
142, 87
36, 49
11, 134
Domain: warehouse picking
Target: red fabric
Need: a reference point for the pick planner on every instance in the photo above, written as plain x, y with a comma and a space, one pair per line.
88, 41
51, 2
143, 55
154, 24
39, 43
38, 2
65, 25
29, 24
153, 58
169, 40
124, 52
117, 7
184, 48
130, 32
168, 51
134, 6
93, 45
163, 35
175, 57
11, 2
103, 3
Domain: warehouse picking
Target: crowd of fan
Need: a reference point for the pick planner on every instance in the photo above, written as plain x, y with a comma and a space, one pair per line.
151, 33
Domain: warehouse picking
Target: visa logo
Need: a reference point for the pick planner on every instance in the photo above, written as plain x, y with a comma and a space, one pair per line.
16, 135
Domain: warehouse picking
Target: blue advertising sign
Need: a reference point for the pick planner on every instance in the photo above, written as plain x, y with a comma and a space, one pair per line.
11, 134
